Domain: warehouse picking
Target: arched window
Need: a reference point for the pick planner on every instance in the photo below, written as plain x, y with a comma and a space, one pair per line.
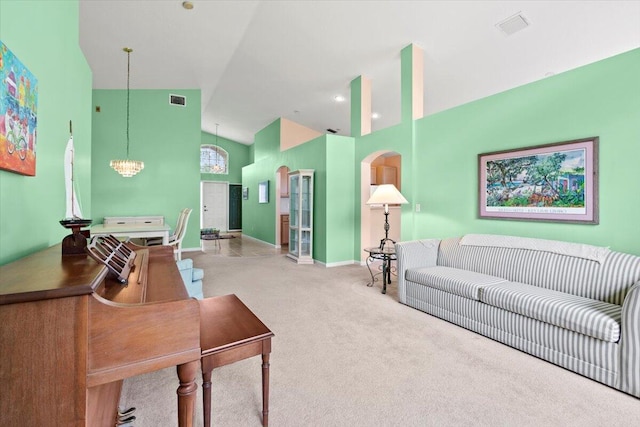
213, 159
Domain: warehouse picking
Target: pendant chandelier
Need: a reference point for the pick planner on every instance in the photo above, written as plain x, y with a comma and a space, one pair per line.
127, 168
217, 163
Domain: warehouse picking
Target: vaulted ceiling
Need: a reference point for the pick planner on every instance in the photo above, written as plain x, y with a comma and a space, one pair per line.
255, 61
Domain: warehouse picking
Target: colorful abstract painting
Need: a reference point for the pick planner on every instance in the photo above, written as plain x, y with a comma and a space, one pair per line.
18, 114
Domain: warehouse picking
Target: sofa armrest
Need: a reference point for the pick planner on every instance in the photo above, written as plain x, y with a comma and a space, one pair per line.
629, 379
195, 289
198, 274
184, 264
192, 277
414, 254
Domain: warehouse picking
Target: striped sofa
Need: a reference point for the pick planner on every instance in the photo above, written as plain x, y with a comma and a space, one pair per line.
578, 312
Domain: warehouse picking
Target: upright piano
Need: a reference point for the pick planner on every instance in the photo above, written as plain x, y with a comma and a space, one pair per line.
70, 333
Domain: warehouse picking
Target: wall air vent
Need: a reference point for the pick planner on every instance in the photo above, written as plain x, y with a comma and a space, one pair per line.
513, 24
178, 100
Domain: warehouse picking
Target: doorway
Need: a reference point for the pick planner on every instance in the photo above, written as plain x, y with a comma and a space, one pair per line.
215, 201
381, 167
282, 206
235, 207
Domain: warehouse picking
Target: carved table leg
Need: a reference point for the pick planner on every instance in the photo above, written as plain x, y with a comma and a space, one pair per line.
385, 274
266, 349
187, 393
369, 260
206, 397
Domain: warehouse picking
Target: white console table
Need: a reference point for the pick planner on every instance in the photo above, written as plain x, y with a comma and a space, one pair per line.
131, 220
134, 230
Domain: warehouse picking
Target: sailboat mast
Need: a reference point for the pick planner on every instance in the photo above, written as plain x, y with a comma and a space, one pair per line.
73, 188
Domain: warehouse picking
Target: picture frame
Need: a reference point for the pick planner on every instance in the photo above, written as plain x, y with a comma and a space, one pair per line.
245, 193
263, 192
555, 182
18, 115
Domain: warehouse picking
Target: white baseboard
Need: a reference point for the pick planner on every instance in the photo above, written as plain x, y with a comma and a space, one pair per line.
244, 236
191, 249
329, 265
335, 264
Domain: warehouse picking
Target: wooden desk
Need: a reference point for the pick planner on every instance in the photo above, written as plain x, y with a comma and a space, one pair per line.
230, 332
134, 230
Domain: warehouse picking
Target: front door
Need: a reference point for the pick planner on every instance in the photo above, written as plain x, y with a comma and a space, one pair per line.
214, 205
235, 207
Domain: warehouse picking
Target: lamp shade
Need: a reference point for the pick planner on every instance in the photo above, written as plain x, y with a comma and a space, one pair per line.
386, 194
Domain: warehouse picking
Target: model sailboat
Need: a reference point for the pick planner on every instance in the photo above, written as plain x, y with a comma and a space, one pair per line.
76, 242
73, 214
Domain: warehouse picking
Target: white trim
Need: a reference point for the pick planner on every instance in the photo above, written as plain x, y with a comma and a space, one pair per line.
258, 240
192, 250
336, 264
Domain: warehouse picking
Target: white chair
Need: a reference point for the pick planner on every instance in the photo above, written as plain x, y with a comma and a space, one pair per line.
178, 234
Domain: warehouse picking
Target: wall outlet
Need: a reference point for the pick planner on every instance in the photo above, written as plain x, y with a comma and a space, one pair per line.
417, 207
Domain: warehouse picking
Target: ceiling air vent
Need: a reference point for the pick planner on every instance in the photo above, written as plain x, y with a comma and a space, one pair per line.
178, 100
513, 24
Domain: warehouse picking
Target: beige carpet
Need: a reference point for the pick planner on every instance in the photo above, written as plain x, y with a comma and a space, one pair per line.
346, 355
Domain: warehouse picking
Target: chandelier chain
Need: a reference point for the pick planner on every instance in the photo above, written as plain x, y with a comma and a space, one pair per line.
216, 146
127, 168
218, 158
128, 77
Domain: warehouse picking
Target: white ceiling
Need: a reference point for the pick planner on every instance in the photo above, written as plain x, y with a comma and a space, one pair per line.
255, 61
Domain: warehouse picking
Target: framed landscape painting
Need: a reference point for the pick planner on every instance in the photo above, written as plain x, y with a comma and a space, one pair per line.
18, 114
552, 182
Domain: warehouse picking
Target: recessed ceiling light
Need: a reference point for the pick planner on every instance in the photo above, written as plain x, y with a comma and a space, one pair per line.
339, 98
375, 116
187, 5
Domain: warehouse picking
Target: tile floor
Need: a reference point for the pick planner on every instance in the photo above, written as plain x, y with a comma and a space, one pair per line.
240, 246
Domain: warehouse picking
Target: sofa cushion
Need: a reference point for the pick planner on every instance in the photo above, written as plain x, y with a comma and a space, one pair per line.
464, 283
608, 282
590, 317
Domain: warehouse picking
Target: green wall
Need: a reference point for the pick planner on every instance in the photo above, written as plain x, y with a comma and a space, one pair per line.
167, 138
601, 99
258, 219
44, 36
239, 156
267, 141
397, 138
439, 162
339, 191
330, 156
439, 152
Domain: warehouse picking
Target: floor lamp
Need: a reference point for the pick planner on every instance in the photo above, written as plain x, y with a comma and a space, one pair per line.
386, 194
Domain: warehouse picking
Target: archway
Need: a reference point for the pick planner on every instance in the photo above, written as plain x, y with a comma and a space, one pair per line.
380, 167
282, 206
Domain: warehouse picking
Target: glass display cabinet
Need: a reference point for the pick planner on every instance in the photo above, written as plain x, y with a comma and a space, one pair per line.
301, 216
